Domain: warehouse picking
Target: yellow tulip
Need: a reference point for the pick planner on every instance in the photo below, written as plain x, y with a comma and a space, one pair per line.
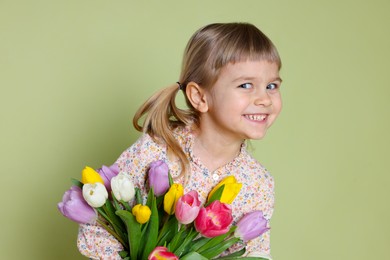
142, 213
89, 175
232, 188
171, 197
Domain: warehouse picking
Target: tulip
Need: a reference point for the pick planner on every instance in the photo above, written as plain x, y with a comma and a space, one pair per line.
230, 191
142, 213
122, 187
75, 208
89, 175
171, 198
161, 253
251, 225
214, 220
107, 173
158, 177
95, 194
187, 207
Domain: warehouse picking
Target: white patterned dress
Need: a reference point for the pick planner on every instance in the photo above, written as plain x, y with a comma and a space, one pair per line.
257, 192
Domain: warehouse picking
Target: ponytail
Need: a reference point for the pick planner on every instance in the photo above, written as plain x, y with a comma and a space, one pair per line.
162, 116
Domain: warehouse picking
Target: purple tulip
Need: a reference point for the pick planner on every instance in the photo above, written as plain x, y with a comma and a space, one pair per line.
107, 173
158, 177
75, 208
251, 225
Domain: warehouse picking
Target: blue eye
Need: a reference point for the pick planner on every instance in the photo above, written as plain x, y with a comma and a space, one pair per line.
245, 85
272, 86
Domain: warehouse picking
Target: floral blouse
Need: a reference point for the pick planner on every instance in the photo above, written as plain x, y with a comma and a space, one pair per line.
257, 192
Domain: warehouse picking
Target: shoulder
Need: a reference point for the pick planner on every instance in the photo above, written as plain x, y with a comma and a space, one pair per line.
258, 185
256, 171
143, 151
184, 135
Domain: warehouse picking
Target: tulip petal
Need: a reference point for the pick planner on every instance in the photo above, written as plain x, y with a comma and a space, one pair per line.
230, 191
95, 194
214, 220
74, 207
171, 197
187, 207
107, 173
251, 226
89, 175
158, 177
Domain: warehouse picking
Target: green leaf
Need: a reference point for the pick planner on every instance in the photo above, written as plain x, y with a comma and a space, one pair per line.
216, 195
116, 221
121, 236
193, 256
116, 202
138, 196
216, 240
133, 231
149, 238
123, 254
177, 239
150, 198
126, 205
170, 179
183, 248
199, 243
77, 183
235, 255
168, 230
218, 249
113, 233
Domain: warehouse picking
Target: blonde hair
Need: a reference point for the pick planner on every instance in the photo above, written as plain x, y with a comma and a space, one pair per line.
207, 52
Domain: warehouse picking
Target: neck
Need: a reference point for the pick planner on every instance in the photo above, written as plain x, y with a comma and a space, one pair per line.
215, 151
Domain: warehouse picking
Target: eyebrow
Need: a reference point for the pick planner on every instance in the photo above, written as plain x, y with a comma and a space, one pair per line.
254, 78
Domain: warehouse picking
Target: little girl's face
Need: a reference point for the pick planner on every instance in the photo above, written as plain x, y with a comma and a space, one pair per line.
245, 100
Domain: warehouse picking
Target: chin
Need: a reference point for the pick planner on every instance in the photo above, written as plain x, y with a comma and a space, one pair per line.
257, 136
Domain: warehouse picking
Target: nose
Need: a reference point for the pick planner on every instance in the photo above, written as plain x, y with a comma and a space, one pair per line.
262, 99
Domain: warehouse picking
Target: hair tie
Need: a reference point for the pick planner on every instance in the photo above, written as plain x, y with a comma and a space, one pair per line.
181, 87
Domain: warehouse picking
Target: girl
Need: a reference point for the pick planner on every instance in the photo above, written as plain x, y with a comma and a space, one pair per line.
230, 79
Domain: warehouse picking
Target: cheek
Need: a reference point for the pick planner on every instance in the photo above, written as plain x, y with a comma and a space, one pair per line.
277, 103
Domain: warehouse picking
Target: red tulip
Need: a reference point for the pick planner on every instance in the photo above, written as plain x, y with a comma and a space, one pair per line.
187, 207
214, 220
161, 253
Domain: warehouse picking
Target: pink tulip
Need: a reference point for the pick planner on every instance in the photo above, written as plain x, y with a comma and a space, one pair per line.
161, 253
158, 177
74, 207
187, 207
251, 226
214, 220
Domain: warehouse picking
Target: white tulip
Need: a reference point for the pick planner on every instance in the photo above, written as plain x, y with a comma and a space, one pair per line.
95, 194
122, 187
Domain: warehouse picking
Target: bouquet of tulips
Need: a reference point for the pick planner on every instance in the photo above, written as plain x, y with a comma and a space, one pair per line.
170, 224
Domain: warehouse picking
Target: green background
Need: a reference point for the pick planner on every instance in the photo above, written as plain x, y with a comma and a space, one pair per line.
72, 74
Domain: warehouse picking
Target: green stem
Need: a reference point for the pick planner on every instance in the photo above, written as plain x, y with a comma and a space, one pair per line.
126, 205
113, 233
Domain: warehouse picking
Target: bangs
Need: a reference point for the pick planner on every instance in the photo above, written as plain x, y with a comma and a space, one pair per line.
243, 43
216, 45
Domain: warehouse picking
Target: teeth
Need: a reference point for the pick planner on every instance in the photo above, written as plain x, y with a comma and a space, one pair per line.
256, 117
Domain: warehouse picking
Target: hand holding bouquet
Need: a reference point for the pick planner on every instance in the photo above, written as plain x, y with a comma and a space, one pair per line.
170, 224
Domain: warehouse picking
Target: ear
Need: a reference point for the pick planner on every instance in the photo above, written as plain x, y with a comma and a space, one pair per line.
196, 96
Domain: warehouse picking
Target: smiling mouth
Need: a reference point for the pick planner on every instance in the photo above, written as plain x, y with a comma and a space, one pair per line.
256, 117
